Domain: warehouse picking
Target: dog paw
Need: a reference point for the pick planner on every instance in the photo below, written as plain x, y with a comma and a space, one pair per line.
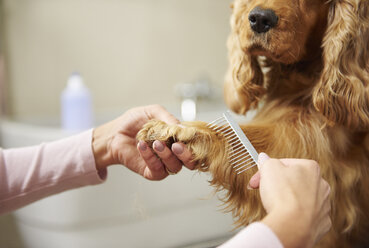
159, 130
203, 142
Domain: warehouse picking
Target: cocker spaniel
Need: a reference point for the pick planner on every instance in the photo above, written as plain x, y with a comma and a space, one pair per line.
304, 64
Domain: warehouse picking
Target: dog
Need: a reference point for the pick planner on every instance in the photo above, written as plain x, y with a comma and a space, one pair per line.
304, 65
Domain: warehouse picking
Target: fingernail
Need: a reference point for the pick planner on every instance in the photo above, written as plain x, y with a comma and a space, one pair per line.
249, 187
263, 157
158, 146
177, 149
142, 145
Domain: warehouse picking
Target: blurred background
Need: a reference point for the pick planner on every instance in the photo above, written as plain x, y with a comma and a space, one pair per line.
129, 53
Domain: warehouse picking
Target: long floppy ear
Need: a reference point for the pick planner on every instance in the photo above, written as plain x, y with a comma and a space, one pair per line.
342, 95
244, 79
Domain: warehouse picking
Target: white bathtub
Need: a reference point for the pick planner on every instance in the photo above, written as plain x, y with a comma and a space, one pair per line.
125, 211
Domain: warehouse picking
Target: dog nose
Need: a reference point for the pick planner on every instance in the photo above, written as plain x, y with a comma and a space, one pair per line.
262, 20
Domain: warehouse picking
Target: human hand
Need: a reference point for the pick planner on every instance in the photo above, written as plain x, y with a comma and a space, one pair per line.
115, 143
296, 199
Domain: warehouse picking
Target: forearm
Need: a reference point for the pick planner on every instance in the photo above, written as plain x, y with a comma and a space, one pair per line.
31, 173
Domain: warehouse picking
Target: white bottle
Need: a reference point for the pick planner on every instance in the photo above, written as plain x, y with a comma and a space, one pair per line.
76, 105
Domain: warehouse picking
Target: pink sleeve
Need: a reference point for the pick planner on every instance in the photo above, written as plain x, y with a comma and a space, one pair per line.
255, 235
31, 173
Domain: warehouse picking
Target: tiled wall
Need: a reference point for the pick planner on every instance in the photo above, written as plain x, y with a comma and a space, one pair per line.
130, 52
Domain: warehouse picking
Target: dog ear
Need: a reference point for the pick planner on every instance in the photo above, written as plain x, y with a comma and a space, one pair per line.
244, 79
342, 95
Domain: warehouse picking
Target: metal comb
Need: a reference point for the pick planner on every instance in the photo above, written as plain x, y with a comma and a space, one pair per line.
243, 155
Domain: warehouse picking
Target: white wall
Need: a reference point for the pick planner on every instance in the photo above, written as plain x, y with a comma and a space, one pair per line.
131, 52
2, 74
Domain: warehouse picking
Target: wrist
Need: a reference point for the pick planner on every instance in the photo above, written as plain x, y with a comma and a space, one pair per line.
292, 229
100, 147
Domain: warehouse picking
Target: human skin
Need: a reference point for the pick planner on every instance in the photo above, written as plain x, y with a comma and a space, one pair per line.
296, 199
115, 143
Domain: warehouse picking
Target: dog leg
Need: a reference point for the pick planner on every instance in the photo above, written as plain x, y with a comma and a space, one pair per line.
209, 153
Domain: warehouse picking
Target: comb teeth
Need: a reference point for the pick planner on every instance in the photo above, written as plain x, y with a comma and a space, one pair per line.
243, 155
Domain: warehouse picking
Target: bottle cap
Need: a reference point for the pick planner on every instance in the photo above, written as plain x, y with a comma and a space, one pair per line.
75, 82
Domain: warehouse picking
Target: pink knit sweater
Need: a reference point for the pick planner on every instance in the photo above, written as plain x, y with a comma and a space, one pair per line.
32, 173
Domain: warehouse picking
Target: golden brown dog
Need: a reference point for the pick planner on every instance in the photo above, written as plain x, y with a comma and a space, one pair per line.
304, 64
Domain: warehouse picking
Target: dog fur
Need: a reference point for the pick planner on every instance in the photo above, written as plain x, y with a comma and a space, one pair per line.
309, 79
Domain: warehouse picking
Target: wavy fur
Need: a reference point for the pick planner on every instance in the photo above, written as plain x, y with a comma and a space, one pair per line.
342, 94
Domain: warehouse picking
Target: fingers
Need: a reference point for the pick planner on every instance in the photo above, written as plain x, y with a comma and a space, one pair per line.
301, 162
161, 156
183, 154
173, 159
265, 162
263, 157
325, 210
154, 175
255, 181
154, 165
326, 188
167, 157
159, 112
325, 192
325, 223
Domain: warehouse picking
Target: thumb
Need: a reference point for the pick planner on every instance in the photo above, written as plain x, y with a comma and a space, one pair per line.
159, 112
263, 157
